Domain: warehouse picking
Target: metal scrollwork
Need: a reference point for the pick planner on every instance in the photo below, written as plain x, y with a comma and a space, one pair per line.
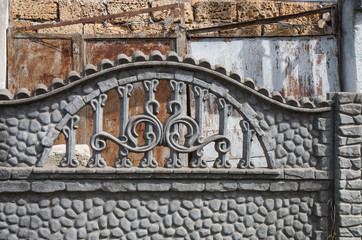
128, 140
249, 134
174, 109
97, 105
200, 97
124, 93
223, 146
69, 131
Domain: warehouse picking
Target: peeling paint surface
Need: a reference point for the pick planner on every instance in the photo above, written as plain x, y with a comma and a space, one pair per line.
298, 67
33, 61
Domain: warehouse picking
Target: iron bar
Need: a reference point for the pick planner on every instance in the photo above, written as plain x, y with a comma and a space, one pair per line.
259, 21
99, 18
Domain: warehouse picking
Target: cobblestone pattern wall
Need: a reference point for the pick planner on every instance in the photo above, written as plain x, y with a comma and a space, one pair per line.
292, 134
198, 14
348, 165
164, 215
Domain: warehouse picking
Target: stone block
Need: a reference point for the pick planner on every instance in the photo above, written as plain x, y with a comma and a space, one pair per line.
75, 105
348, 221
162, 15
356, 231
349, 151
20, 173
253, 186
71, 29
14, 186
321, 150
320, 210
100, 28
349, 174
346, 97
83, 186
356, 209
248, 11
350, 131
47, 186
34, 9
156, 187
351, 196
314, 186
344, 163
344, 209
215, 12
5, 174
283, 186
152, 28
188, 186
120, 6
357, 185
116, 186
108, 84
351, 109
299, 173
220, 186
344, 119
75, 9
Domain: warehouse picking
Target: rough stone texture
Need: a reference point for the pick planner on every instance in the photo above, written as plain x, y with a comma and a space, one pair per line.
228, 215
119, 6
34, 9
162, 15
75, 9
215, 12
348, 166
248, 11
100, 28
71, 29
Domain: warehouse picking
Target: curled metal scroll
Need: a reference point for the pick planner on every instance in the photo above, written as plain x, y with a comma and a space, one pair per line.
69, 131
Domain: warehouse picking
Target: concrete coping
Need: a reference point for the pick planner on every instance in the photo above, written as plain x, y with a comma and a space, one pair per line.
31, 173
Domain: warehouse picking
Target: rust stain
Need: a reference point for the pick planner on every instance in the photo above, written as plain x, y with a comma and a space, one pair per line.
97, 50
34, 61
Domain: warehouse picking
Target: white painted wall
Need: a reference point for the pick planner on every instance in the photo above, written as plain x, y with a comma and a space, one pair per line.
4, 16
281, 63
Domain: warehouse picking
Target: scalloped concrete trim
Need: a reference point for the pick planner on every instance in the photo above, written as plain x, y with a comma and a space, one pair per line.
156, 59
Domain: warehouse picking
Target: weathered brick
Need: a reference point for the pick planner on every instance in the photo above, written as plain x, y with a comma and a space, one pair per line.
76, 9
100, 28
71, 29
34, 9
120, 6
248, 11
152, 28
162, 15
215, 12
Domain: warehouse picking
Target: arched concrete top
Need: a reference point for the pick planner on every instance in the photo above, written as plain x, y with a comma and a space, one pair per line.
154, 60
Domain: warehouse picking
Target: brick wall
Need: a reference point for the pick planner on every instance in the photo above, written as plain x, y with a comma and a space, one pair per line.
197, 14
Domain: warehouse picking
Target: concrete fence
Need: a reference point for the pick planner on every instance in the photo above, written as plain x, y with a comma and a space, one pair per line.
310, 187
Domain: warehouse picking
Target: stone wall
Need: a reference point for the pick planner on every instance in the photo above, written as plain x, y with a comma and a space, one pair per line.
197, 14
67, 207
348, 165
310, 147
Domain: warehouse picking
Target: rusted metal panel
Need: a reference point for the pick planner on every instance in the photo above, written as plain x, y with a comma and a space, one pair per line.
95, 51
32, 61
294, 66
